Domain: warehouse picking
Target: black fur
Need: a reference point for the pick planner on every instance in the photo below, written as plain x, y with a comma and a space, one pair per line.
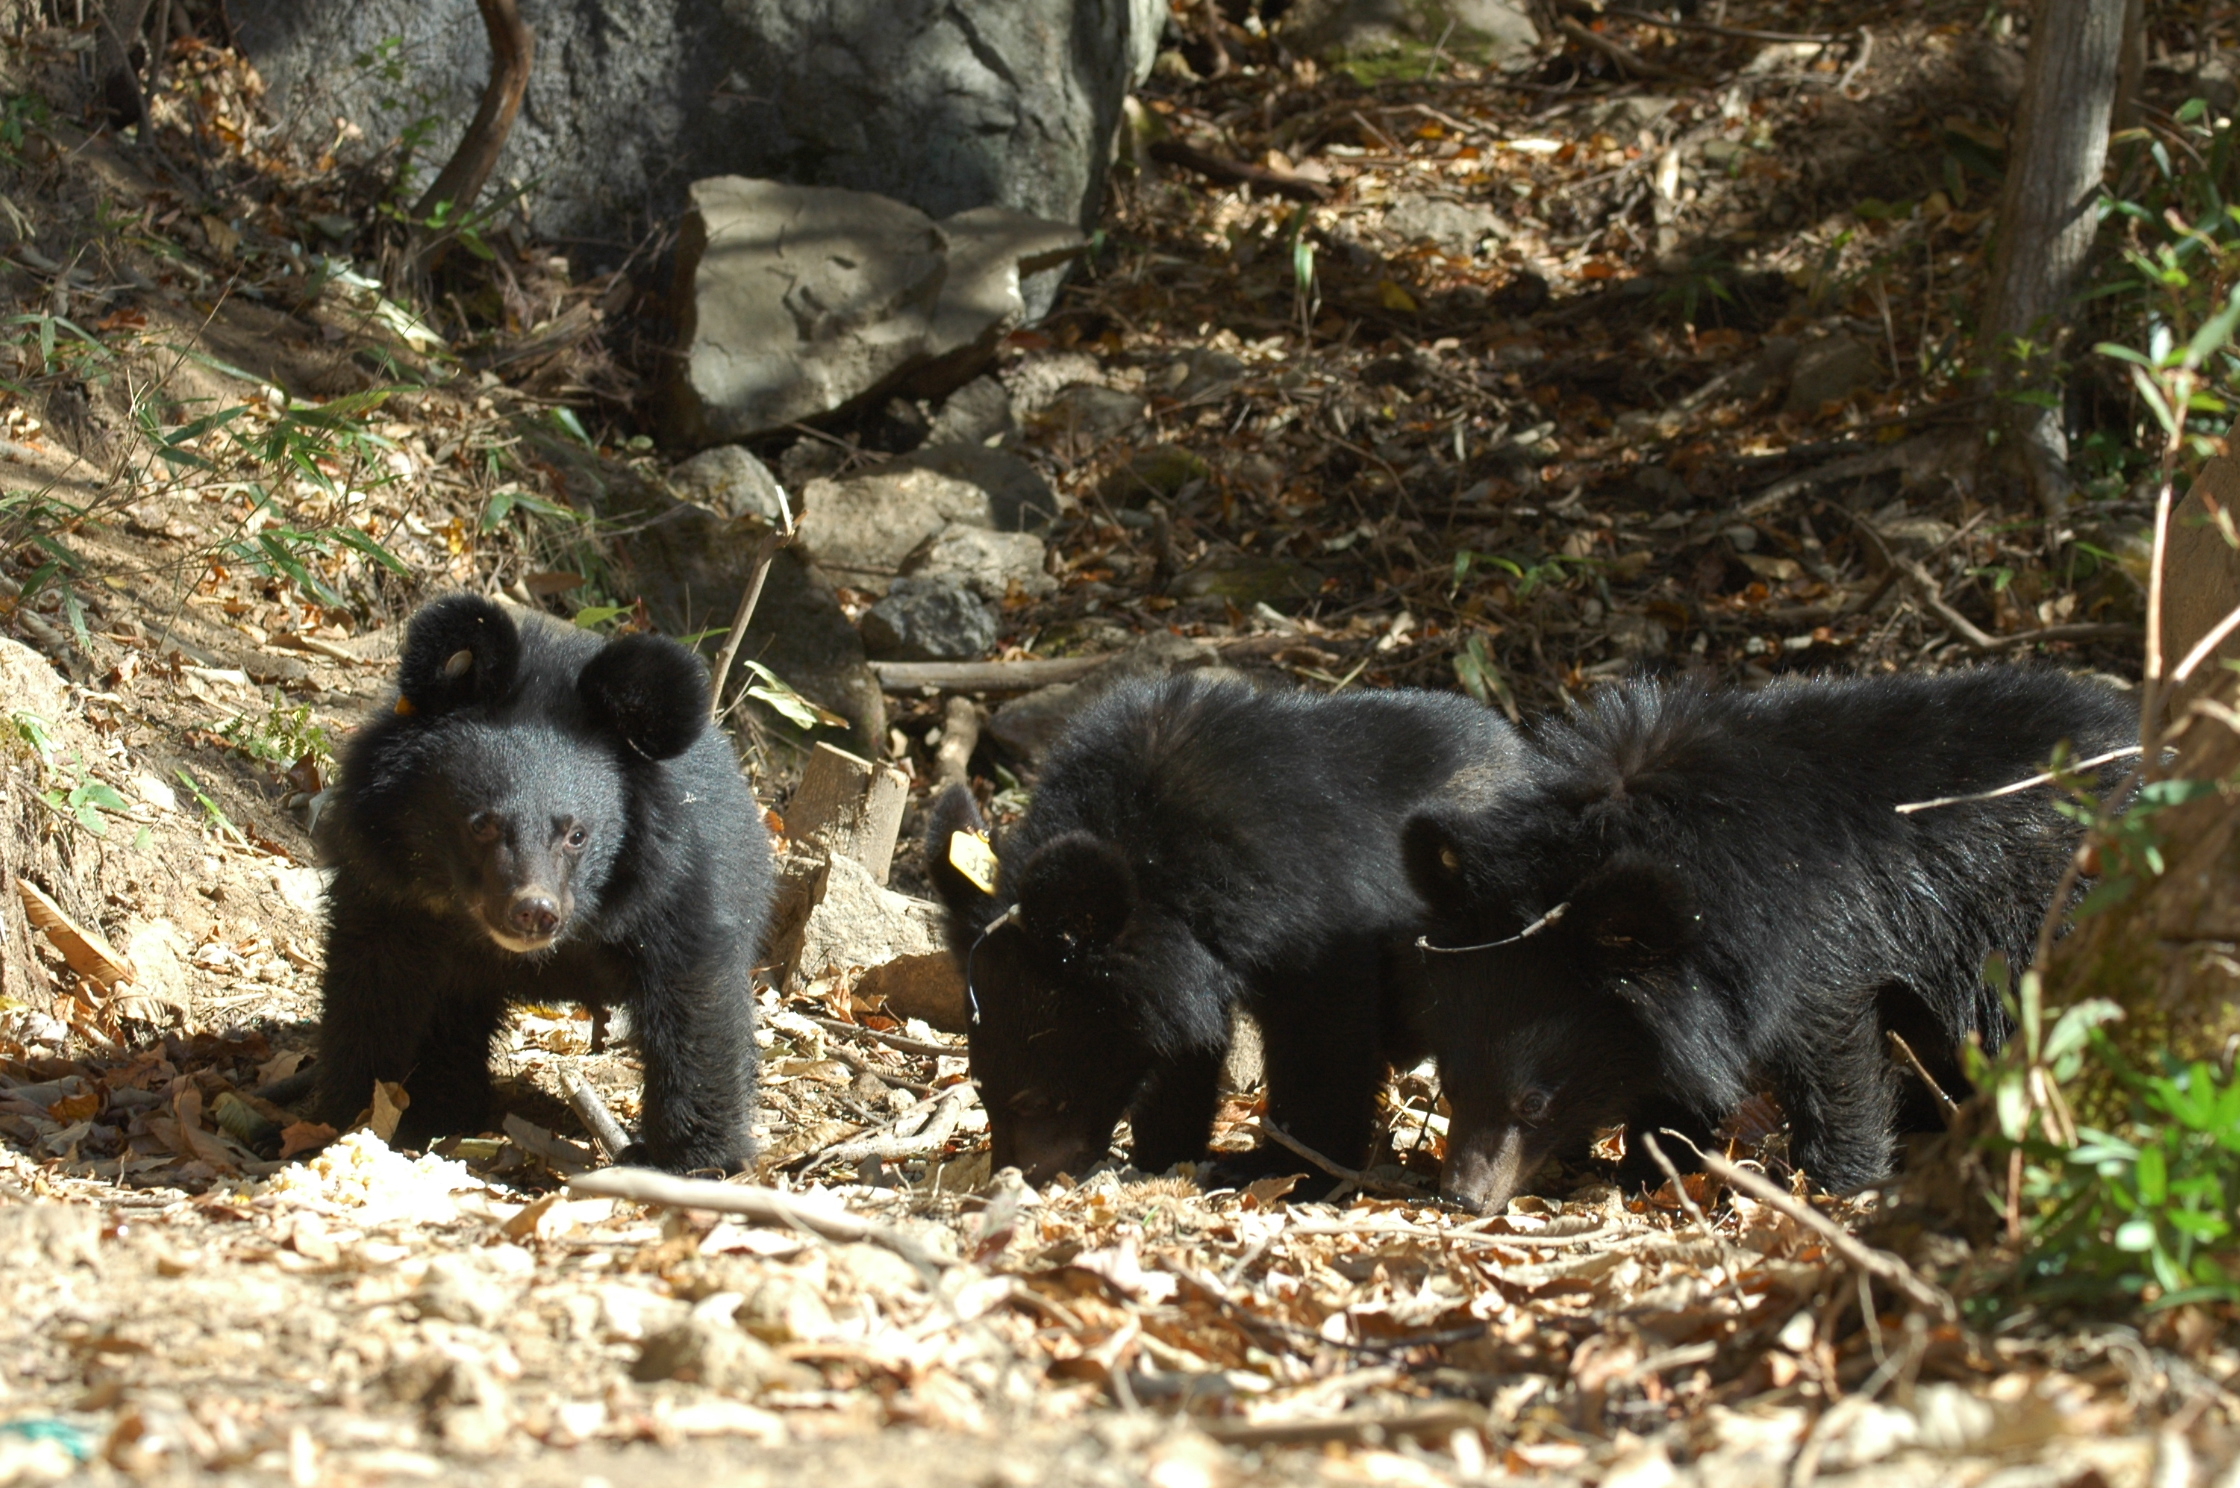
1742, 901
569, 795
1194, 847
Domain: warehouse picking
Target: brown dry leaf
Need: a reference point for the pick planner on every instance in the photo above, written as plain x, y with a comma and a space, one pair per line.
389, 1101
304, 1136
82, 948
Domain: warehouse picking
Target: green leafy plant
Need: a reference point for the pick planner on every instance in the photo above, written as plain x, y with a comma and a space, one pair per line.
1528, 574
769, 689
84, 801
282, 737
2145, 1213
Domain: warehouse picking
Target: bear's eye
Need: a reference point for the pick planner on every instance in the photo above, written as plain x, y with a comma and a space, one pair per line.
1533, 1105
483, 826
575, 839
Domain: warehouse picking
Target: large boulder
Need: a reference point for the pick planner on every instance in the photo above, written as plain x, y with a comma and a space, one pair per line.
799, 300
944, 104
1380, 39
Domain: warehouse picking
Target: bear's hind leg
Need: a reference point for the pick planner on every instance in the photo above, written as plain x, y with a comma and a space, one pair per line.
1842, 1099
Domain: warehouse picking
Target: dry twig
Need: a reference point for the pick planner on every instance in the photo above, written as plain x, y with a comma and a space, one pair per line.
1879, 1263
751, 1202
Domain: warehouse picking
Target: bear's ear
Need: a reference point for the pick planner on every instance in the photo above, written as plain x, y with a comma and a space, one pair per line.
650, 691
459, 650
970, 898
1438, 863
1632, 913
1076, 892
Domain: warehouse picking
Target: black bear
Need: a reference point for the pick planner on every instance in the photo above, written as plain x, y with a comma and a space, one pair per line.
544, 817
1701, 889
1194, 846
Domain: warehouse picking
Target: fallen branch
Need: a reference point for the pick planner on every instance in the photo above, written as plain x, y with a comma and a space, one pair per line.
890, 1144
1359, 1180
864, 1066
893, 1040
748, 1201
1875, 1262
2045, 777
1625, 57
1237, 173
983, 676
593, 1113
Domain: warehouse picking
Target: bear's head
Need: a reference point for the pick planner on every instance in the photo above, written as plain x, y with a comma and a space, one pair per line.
1072, 976
519, 760
1539, 983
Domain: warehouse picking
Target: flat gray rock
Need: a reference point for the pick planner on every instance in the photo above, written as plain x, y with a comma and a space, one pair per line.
929, 618
990, 564
859, 529
801, 300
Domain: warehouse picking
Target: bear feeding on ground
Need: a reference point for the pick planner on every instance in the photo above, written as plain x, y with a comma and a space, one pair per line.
1740, 900
544, 817
1192, 847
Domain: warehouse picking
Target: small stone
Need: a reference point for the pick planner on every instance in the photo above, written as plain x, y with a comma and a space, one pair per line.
731, 483
990, 564
1458, 228
458, 1290
1829, 371
929, 986
976, 413
928, 618
1381, 39
1019, 499
707, 1351
804, 299
1203, 373
1090, 414
854, 921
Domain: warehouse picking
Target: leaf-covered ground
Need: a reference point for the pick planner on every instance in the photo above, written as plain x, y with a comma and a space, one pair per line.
1524, 383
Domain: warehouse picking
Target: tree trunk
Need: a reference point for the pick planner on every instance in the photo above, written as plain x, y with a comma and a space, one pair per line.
120, 23
2055, 157
461, 180
2170, 954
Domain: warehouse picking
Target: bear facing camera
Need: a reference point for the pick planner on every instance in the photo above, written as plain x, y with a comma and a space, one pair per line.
543, 817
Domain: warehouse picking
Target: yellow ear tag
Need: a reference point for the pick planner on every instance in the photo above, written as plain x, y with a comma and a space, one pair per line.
404, 706
971, 856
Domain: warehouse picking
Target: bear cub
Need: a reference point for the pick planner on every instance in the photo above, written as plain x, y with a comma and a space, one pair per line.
544, 817
1194, 847
1705, 890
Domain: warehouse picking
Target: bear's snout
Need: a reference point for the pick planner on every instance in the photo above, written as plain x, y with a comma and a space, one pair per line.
527, 920
534, 916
